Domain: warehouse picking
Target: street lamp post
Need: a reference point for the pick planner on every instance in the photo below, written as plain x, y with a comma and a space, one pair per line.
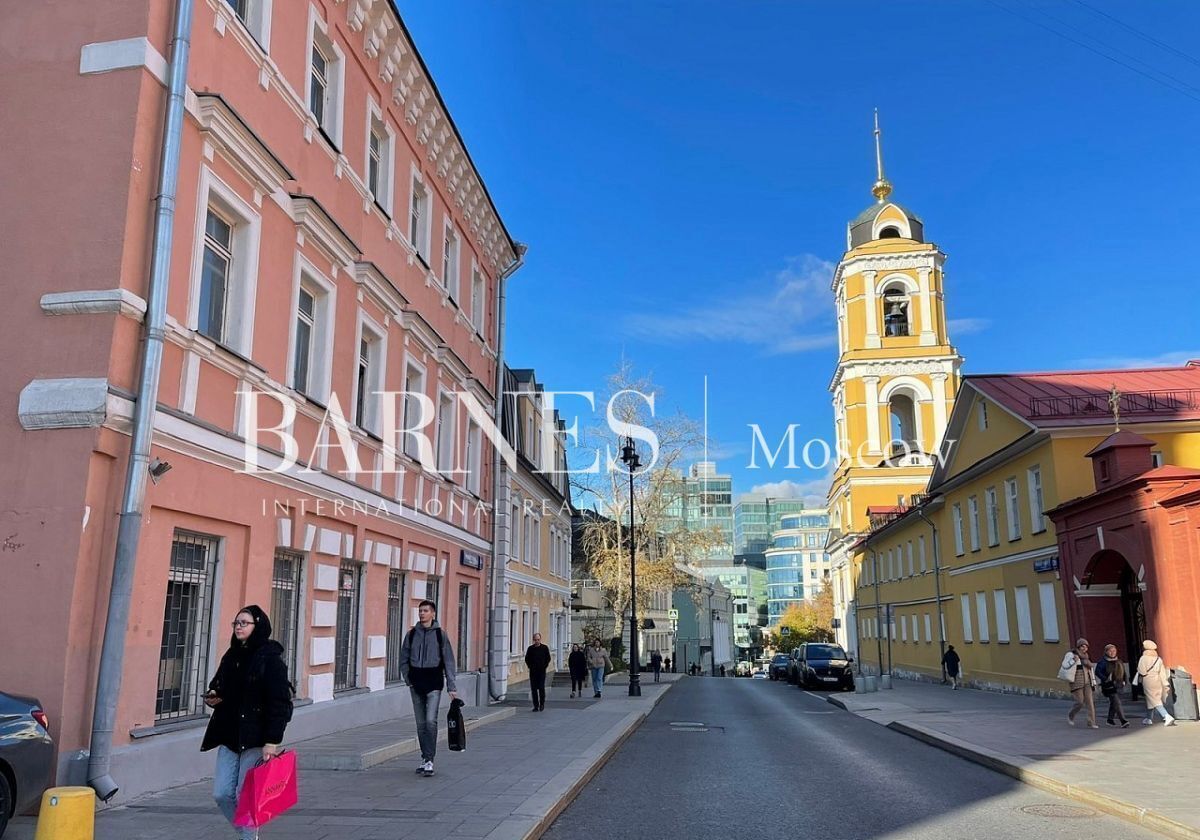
629, 457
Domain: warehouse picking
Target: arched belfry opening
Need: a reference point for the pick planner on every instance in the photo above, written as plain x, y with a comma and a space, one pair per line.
902, 414
896, 312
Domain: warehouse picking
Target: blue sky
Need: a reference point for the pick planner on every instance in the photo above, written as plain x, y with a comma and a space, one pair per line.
683, 173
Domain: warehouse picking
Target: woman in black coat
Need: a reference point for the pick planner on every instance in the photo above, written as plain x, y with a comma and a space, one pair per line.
251, 700
577, 664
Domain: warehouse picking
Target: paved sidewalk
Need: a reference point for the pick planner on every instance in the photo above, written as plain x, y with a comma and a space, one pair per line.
518, 772
1146, 774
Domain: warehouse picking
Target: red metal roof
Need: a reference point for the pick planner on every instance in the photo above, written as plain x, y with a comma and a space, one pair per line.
884, 510
1080, 398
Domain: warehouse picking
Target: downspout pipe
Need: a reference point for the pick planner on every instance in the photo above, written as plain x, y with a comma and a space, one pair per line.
937, 588
886, 628
497, 682
112, 654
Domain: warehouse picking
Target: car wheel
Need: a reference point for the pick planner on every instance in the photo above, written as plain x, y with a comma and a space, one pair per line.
6, 802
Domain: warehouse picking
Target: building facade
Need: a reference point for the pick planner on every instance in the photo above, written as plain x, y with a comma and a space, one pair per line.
797, 564
755, 517
704, 631
705, 500
535, 547
335, 256
747, 586
978, 562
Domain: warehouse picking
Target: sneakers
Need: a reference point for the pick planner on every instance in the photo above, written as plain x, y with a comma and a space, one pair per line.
572, 695
1124, 724
1111, 722
421, 767
1147, 722
1170, 721
1070, 721
1093, 726
427, 769
596, 695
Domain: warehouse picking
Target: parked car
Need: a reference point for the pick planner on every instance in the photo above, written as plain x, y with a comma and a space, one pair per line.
822, 665
777, 670
26, 755
759, 675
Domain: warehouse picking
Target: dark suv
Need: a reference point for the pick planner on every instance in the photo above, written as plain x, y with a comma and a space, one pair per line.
778, 668
822, 665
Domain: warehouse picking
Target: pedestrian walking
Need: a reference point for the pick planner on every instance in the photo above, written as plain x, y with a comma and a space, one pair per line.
427, 665
577, 665
1155, 679
537, 660
597, 661
722, 670
1079, 673
952, 663
656, 663
667, 665
251, 700
1110, 674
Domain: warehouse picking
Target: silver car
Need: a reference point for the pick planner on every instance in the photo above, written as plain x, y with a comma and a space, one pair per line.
26, 755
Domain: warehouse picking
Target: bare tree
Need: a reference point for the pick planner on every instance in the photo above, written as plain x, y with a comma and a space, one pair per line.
663, 545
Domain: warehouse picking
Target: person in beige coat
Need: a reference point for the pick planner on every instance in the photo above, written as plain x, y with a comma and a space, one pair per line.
1155, 678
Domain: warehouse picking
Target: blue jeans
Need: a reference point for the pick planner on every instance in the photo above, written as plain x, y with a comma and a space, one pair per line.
425, 710
598, 679
230, 774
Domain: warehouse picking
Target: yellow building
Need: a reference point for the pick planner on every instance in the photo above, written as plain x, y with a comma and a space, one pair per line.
975, 563
896, 376
535, 580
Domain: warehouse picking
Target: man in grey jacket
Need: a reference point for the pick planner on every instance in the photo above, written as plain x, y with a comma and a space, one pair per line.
427, 665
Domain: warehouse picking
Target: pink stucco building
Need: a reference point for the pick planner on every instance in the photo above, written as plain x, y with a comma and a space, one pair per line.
332, 240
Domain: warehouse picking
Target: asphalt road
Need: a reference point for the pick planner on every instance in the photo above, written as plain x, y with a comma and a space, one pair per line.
771, 761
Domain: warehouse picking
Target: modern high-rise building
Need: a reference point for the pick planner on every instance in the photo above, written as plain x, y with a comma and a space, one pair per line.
748, 587
755, 516
705, 500
797, 564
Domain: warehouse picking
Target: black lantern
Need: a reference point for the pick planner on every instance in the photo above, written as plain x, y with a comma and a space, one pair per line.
629, 457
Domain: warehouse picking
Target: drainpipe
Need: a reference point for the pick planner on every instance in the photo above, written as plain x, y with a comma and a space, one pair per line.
937, 583
112, 655
498, 670
886, 628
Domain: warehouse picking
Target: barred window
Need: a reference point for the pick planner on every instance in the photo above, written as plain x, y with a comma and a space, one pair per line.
285, 607
395, 624
345, 659
187, 626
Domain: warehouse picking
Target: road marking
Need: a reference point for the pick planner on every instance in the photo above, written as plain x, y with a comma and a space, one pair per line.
822, 697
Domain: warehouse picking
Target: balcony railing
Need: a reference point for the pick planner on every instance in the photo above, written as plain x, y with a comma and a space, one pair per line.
1132, 403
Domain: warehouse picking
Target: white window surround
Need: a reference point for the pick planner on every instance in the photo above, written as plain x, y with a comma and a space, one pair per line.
1013, 508
376, 336
1036, 500
243, 279
1024, 620
335, 95
1001, 602
981, 611
992, 511
1049, 605
474, 452
973, 514
377, 123
446, 441
956, 515
452, 283
478, 297
408, 416
965, 602
982, 415
324, 294
419, 190
257, 21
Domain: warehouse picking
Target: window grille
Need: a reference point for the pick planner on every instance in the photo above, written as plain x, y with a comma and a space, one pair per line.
345, 663
395, 624
285, 607
187, 628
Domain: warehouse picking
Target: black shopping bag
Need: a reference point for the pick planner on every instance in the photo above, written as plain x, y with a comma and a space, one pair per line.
456, 727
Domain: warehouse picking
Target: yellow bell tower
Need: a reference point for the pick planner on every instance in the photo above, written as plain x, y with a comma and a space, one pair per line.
897, 372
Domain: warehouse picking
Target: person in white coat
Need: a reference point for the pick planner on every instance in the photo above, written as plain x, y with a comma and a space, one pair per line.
1078, 671
1155, 678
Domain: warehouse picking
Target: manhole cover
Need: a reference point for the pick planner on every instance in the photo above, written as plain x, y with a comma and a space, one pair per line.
687, 723
1068, 812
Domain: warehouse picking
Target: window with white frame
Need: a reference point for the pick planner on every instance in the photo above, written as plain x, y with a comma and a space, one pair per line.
418, 220
1049, 604
326, 70
527, 539
1001, 600
512, 632
225, 268
908, 551
414, 387
368, 380
445, 433
921, 552
380, 160
1036, 523
1024, 620
965, 602
474, 440
904, 628
255, 15
450, 251
477, 296
981, 612
1013, 511
982, 415
993, 516
312, 335
928, 629
514, 537
973, 513
956, 516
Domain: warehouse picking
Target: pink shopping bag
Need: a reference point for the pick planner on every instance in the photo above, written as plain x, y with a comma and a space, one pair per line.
270, 789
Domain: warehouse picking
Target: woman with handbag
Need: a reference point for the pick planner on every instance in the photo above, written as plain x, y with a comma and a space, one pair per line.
1155, 679
251, 700
1110, 673
1077, 671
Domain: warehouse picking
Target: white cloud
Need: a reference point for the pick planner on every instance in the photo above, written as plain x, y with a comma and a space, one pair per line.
790, 315
966, 326
814, 492
1176, 358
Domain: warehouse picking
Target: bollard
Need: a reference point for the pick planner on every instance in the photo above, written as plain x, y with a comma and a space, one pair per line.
1184, 707
869, 681
885, 681
860, 685
67, 813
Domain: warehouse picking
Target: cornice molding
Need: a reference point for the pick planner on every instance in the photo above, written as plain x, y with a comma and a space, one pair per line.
224, 129
319, 227
886, 262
